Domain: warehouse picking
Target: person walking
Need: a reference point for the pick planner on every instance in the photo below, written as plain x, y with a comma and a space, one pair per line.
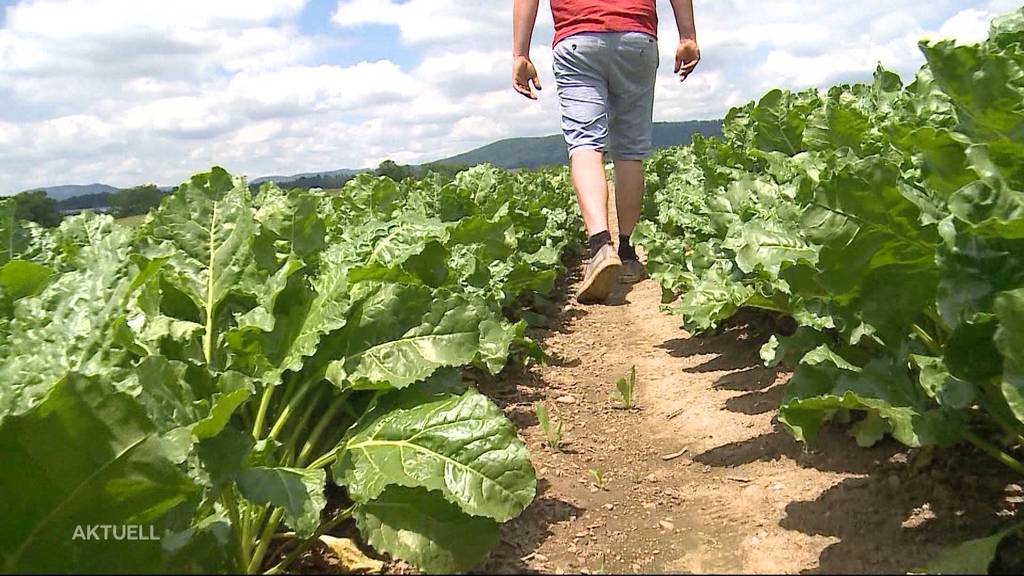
605, 64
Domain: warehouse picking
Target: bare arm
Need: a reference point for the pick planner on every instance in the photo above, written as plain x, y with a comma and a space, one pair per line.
524, 19
684, 19
688, 53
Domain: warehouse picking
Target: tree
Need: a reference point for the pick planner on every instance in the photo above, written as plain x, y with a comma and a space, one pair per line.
36, 206
394, 171
135, 201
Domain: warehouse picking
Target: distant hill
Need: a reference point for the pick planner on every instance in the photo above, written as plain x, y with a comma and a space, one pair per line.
333, 174
64, 192
550, 150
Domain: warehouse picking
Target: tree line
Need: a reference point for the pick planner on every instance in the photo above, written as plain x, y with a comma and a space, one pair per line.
37, 206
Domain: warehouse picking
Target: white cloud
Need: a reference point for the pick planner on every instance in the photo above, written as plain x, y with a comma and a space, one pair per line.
127, 91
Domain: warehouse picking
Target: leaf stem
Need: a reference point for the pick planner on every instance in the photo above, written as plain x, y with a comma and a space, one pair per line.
324, 461
293, 405
291, 444
268, 533
325, 421
261, 415
325, 527
927, 340
231, 503
211, 305
993, 451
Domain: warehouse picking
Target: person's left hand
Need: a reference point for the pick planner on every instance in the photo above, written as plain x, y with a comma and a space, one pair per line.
687, 58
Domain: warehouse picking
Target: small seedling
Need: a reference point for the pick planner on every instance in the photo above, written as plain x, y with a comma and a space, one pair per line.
598, 477
552, 433
626, 386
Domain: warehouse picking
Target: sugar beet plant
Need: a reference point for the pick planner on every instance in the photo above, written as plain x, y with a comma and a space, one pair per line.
207, 374
888, 221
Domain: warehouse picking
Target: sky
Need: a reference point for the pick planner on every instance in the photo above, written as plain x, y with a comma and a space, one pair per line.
127, 92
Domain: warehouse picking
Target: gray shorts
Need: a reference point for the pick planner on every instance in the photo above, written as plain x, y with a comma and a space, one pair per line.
606, 92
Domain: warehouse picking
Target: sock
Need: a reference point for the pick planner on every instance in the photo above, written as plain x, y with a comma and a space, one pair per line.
597, 241
626, 251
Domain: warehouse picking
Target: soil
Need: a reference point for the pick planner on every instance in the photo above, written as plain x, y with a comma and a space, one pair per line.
700, 476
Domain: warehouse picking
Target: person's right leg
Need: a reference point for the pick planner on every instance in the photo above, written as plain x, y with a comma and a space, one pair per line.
580, 63
591, 186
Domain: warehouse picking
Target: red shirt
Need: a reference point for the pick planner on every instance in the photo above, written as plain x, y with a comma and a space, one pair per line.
575, 16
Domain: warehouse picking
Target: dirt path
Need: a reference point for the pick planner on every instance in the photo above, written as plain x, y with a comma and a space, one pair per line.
744, 497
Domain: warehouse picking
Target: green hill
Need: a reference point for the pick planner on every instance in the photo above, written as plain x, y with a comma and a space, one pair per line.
550, 150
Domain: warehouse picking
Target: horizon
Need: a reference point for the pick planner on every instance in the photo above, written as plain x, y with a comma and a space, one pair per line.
126, 92
294, 174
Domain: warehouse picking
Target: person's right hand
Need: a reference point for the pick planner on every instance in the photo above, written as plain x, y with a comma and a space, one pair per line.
687, 58
523, 73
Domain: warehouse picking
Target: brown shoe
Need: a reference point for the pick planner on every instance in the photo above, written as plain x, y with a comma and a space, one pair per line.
633, 272
601, 276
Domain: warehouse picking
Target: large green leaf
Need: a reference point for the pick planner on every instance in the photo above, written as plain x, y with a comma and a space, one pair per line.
876, 257
299, 492
985, 83
86, 456
1010, 341
20, 278
72, 325
420, 527
840, 123
777, 128
399, 334
461, 445
825, 383
205, 230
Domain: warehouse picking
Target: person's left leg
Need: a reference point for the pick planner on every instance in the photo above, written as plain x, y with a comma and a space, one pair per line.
631, 125
629, 193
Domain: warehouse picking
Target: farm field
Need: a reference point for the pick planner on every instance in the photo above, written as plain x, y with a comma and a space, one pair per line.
394, 377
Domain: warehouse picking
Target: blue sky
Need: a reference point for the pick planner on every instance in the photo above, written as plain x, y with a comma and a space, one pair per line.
368, 42
133, 91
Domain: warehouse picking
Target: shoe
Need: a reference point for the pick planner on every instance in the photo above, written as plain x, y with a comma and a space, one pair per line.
601, 276
633, 272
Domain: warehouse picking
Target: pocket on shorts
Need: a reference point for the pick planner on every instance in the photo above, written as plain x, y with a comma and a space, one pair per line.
638, 54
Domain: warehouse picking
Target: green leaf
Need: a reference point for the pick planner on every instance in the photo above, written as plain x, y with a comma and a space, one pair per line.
1009, 340
86, 456
72, 325
769, 247
423, 529
777, 128
400, 334
223, 408
789, 350
825, 383
971, 557
461, 445
20, 279
201, 548
937, 381
840, 123
299, 492
205, 230
225, 455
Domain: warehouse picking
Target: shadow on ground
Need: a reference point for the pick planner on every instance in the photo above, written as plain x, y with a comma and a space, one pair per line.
919, 514
921, 501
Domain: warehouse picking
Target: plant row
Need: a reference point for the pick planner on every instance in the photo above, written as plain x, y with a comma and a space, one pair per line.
887, 221
207, 374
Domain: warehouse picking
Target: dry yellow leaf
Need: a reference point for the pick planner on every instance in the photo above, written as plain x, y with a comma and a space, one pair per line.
350, 557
